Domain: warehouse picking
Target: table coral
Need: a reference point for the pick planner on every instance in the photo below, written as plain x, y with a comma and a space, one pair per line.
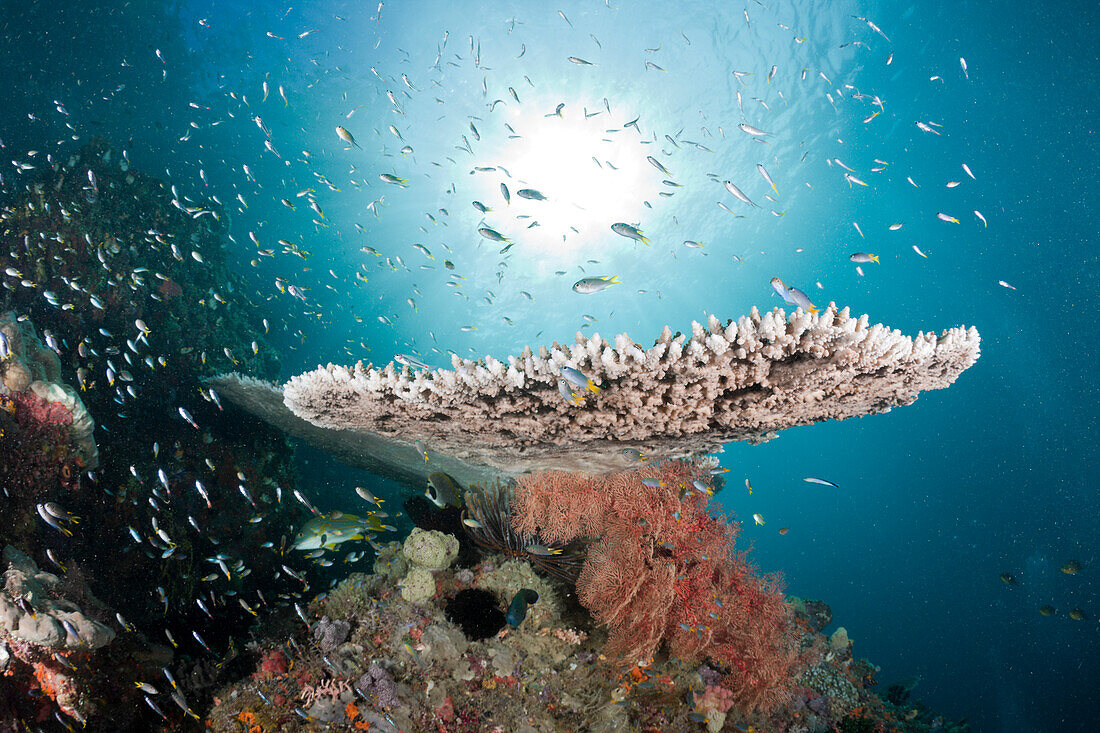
683, 396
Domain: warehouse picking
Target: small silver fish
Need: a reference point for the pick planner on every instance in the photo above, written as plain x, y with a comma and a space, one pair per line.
389, 178
493, 235
589, 285
767, 178
628, 231
343, 134
750, 130
657, 164
738, 193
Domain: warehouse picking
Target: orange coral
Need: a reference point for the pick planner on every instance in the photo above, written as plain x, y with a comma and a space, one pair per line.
45, 679
352, 711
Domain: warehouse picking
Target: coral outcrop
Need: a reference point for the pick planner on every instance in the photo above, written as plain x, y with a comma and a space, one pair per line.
430, 549
29, 370
42, 629
684, 396
425, 551
32, 611
418, 585
432, 666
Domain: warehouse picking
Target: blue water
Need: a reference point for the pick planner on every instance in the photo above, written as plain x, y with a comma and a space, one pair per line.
995, 474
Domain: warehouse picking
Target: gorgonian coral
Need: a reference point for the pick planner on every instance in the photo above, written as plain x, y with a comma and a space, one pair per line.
664, 570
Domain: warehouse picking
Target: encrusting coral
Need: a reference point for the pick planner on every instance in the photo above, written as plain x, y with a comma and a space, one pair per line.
682, 397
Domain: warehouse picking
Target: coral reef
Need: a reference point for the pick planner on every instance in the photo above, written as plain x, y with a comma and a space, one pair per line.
437, 666
128, 283
664, 570
682, 397
134, 300
31, 610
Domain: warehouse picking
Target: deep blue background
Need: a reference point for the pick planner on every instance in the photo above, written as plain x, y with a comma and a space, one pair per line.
997, 473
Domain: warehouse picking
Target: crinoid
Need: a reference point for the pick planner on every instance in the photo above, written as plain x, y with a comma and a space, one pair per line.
490, 506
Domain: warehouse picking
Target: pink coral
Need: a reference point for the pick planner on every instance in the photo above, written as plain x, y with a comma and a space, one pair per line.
329, 688
30, 408
446, 710
664, 570
570, 636
715, 698
38, 454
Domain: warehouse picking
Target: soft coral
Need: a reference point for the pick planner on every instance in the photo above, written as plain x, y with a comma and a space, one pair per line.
664, 569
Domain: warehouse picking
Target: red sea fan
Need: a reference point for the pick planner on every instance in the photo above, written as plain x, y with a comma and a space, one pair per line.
664, 569
558, 506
